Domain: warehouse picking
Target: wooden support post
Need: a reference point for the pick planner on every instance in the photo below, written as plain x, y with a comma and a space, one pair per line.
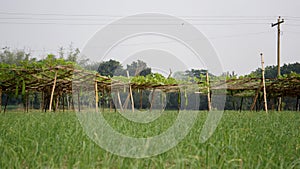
56, 102
42, 101
68, 102
27, 101
132, 101
259, 99
279, 104
130, 91
110, 105
7, 97
52, 93
63, 102
110, 101
297, 103
96, 96
72, 103
120, 103
152, 99
179, 100
208, 93
264, 83
163, 101
103, 101
125, 106
78, 97
255, 97
31, 102
141, 99
0, 99
241, 105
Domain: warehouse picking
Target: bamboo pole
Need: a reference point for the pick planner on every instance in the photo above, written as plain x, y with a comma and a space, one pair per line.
96, 96
119, 99
263, 81
255, 97
125, 105
72, 103
178, 100
110, 105
56, 102
68, 102
42, 101
52, 93
162, 101
78, 97
185, 99
152, 99
241, 105
31, 103
130, 91
110, 100
141, 99
279, 106
208, 93
0, 99
297, 103
103, 100
63, 102
27, 101
7, 97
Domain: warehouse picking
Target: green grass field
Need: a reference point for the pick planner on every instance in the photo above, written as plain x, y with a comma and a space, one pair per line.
242, 140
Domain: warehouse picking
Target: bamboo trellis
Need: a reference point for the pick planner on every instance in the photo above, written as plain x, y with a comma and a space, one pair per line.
64, 79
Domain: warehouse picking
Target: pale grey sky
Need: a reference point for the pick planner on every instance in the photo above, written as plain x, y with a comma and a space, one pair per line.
238, 30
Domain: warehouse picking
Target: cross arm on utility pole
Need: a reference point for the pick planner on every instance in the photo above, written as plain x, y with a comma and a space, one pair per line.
275, 24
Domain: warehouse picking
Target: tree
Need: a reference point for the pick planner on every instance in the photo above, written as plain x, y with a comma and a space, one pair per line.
73, 54
14, 57
138, 68
271, 71
92, 66
110, 68
197, 73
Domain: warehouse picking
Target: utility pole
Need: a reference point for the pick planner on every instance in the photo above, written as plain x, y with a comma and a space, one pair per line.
279, 21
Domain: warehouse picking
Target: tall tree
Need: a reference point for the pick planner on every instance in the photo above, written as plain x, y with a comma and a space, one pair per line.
138, 68
111, 68
14, 57
271, 71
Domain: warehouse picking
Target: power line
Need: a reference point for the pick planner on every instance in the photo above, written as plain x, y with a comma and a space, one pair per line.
240, 35
55, 14
99, 24
108, 19
293, 24
294, 17
143, 16
292, 32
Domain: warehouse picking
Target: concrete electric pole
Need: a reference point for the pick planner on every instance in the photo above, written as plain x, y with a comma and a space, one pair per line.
279, 21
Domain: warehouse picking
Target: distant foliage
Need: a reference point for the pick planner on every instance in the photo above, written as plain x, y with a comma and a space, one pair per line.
114, 68
110, 68
271, 71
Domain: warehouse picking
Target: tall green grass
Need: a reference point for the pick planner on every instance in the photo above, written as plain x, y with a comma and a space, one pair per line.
242, 140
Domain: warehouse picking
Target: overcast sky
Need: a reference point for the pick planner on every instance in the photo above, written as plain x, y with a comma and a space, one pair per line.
238, 30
